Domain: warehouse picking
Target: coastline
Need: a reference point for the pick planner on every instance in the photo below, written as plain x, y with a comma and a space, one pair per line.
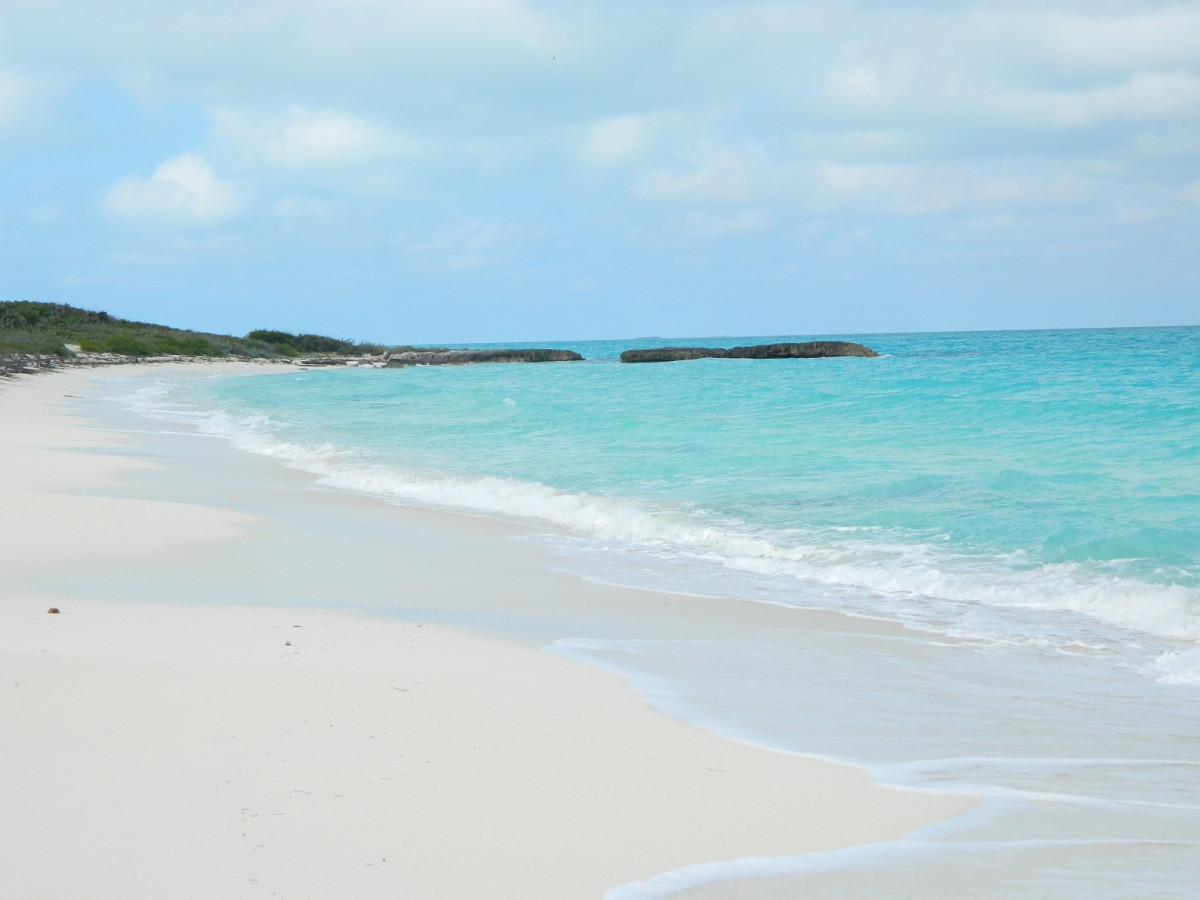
169, 735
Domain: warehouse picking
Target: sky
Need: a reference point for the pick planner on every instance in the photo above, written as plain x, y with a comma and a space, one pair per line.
504, 170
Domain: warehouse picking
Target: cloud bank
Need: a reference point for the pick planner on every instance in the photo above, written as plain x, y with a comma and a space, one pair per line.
850, 165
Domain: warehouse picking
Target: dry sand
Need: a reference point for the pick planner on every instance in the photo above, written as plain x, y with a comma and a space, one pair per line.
199, 750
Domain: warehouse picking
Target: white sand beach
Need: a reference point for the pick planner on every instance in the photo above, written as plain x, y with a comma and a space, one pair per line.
182, 740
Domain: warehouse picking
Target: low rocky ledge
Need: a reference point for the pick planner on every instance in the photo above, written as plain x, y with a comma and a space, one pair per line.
671, 354
32, 364
315, 362
463, 357
804, 350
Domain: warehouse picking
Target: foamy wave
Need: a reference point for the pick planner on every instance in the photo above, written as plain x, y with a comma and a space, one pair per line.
920, 583
926, 578
1176, 667
591, 514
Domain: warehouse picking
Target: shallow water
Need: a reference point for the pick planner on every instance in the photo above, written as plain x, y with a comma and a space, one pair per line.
1026, 504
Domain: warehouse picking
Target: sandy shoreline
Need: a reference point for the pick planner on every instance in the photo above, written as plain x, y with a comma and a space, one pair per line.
162, 741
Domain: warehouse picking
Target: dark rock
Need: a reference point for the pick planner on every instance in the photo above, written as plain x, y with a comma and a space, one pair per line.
462, 357
670, 354
806, 350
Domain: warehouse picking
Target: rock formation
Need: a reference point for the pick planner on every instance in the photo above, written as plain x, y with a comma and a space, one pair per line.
462, 357
671, 354
805, 350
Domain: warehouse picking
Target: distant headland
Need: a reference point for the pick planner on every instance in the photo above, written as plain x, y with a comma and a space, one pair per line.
39, 336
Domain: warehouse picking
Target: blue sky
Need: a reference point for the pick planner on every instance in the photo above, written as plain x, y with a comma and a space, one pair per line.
475, 170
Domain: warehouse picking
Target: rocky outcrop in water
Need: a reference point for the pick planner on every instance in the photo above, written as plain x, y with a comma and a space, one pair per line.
462, 357
804, 350
671, 354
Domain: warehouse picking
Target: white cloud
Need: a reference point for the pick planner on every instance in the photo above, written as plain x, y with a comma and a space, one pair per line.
915, 109
742, 188
182, 190
615, 140
304, 209
879, 181
139, 259
932, 188
850, 145
618, 139
1162, 142
756, 39
1143, 96
725, 222
16, 98
303, 138
710, 173
845, 244
1099, 40
855, 84
467, 246
376, 52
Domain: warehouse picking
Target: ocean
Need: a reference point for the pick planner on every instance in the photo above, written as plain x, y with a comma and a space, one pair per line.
1020, 509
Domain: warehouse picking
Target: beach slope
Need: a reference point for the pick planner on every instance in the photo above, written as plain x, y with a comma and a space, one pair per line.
221, 749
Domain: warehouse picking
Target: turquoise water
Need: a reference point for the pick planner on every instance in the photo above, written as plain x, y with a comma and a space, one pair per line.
1034, 469
1027, 504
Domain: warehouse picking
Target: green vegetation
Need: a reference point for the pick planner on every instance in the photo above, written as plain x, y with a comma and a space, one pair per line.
44, 329
284, 344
